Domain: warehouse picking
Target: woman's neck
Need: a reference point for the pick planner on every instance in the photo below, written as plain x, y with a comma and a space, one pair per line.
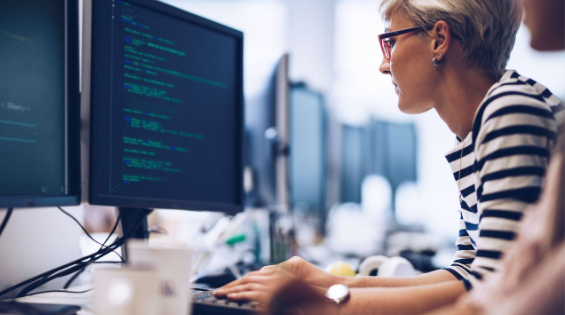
460, 96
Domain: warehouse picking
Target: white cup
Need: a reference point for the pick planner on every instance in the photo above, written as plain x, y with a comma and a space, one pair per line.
386, 267
125, 291
173, 267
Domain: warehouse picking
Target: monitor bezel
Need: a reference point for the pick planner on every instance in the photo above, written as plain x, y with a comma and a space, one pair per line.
72, 130
99, 39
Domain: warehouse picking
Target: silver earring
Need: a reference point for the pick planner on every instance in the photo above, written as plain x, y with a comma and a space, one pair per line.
436, 62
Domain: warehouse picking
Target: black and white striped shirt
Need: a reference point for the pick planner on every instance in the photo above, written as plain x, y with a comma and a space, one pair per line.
502, 163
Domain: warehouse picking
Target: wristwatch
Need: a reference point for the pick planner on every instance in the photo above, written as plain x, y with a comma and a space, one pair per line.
337, 293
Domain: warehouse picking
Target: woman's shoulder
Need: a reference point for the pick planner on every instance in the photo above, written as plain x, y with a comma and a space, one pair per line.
515, 94
513, 87
518, 100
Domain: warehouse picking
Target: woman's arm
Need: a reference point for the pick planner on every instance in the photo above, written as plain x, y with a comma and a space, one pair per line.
299, 297
296, 297
299, 268
402, 301
433, 277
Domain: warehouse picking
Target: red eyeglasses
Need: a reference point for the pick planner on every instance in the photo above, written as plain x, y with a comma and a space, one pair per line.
386, 44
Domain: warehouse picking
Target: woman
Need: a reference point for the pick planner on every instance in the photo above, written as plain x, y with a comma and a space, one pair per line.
450, 55
534, 274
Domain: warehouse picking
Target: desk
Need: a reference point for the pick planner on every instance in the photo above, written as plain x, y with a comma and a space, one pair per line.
84, 300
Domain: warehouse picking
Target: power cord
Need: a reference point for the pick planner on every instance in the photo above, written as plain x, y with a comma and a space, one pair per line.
5, 220
71, 267
59, 291
90, 236
78, 273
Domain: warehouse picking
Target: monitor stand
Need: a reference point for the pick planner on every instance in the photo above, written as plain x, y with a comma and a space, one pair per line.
129, 218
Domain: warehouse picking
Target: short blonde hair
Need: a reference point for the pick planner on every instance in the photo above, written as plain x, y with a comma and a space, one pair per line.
487, 27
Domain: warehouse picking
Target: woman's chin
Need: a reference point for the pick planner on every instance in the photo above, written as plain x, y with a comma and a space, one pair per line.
405, 108
412, 108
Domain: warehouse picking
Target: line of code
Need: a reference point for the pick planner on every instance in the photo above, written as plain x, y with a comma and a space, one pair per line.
152, 142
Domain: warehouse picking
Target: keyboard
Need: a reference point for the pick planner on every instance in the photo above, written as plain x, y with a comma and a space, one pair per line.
205, 303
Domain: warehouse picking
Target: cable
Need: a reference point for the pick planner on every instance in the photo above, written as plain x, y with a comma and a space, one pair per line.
81, 261
6, 219
113, 230
57, 274
58, 291
62, 272
88, 234
70, 281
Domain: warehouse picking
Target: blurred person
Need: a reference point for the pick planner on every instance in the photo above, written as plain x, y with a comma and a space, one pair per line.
544, 19
450, 56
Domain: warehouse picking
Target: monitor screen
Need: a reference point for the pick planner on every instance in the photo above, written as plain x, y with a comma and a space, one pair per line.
394, 151
260, 116
166, 109
354, 161
38, 103
266, 123
308, 150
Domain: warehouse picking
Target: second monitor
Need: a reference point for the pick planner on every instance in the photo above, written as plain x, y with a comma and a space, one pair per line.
166, 109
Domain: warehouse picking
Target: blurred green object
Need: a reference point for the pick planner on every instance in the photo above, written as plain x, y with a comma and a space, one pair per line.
238, 238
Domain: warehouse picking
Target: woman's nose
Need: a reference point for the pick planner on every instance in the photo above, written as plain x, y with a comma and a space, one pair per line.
385, 67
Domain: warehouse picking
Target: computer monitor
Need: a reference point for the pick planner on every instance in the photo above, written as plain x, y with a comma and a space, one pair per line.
382, 147
308, 157
39, 103
354, 161
166, 109
394, 152
267, 139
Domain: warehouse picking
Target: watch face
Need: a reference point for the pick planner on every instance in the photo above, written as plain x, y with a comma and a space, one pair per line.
337, 292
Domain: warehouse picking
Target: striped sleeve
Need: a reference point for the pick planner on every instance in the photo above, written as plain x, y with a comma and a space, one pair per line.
464, 257
512, 148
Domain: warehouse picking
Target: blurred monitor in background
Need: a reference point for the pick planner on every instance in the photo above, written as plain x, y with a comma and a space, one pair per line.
308, 158
266, 137
355, 165
394, 153
384, 148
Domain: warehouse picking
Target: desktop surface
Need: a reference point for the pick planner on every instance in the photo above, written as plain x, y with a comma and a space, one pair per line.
16, 308
204, 303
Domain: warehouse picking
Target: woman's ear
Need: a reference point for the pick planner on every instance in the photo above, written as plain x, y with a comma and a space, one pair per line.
441, 39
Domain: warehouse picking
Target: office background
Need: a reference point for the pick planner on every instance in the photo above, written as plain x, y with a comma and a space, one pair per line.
333, 49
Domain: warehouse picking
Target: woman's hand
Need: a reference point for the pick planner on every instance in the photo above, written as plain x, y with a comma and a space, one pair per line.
257, 285
309, 273
260, 285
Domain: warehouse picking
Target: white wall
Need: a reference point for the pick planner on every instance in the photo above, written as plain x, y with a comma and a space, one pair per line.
311, 34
